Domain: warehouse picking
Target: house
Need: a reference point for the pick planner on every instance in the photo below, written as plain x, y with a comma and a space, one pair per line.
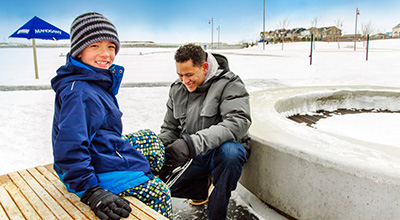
396, 31
379, 36
296, 34
300, 34
331, 33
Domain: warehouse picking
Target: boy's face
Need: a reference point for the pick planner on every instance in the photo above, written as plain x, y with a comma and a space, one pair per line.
191, 76
100, 54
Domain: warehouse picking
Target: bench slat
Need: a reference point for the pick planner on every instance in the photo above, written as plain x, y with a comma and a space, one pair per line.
2, 212
56, 195
9, 206
4, 179
33, 199
27, 210
38, 193
141, 211
51, 176
58, 211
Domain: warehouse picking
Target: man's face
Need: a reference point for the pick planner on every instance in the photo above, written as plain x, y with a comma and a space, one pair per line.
191, 76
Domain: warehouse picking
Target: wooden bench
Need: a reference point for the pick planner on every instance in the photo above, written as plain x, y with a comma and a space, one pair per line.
38, 193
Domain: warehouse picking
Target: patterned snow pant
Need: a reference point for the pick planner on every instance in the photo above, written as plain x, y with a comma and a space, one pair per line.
154, 193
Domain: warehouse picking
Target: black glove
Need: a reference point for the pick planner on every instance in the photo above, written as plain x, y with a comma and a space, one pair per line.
177, 154
106, 205
180, 151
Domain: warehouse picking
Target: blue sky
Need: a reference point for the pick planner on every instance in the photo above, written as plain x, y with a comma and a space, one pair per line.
172, 21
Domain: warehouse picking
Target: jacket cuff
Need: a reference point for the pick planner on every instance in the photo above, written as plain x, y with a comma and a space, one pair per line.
189, 142
88, 193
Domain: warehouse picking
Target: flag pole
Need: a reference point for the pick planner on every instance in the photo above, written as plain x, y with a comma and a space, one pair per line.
355, 32
35, 58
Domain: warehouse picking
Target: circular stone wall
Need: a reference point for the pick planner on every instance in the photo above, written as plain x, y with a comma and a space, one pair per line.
311, 174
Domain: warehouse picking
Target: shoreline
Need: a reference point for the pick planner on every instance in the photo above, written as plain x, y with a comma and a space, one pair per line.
128, 44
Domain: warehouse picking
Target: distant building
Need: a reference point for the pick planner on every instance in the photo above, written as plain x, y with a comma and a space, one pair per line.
380, 36
396, 31
350, 37
301, 34
331, 33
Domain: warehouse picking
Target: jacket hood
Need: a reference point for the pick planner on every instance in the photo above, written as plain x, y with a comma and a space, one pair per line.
222, 62
218, 67
74, 70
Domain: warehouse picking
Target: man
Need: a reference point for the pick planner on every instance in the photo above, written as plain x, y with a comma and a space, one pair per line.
207, 120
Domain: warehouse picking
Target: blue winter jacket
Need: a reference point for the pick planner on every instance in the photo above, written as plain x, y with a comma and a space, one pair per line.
87, 145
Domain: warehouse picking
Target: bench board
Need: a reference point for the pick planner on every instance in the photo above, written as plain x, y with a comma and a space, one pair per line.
38, 193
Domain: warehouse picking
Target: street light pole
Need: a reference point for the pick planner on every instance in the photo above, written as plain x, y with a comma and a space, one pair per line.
218, 28
355, 33
212, 29
264, 25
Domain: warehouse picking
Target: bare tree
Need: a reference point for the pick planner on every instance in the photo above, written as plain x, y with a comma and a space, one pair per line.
314, 22
314, 29
339, 25
366, 29
283, 25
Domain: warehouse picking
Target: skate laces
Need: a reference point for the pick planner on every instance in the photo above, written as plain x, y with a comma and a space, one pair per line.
171, 178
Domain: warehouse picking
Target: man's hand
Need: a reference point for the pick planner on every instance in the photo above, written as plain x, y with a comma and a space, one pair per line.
177, 154
106, 205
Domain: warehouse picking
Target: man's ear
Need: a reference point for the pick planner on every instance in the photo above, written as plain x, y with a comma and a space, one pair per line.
205, 66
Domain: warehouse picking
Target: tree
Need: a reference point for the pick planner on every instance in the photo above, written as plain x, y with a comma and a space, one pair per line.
339, 25
314, 29
282, 25
366, 29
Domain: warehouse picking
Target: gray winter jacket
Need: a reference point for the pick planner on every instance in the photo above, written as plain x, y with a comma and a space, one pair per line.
218, 111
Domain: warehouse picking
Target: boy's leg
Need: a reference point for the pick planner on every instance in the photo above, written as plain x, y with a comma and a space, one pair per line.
155, 194
148, 143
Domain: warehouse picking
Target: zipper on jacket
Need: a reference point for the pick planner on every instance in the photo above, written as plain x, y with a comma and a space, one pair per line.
73, 84
119, 155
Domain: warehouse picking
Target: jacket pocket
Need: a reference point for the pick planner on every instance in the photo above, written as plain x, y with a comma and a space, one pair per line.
179, 112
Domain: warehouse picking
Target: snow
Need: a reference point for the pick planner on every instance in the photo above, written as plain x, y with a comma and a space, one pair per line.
380, 128
26, 116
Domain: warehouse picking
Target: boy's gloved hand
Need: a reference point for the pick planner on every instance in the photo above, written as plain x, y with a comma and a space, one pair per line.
106, 205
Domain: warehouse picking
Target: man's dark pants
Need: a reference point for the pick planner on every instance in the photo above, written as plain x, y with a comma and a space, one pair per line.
225, 165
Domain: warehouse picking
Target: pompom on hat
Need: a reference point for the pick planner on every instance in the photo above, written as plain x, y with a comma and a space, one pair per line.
90, 28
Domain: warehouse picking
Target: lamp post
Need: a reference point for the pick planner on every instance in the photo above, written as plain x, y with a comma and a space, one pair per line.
264, 25
355, 33
218, 29
212, 29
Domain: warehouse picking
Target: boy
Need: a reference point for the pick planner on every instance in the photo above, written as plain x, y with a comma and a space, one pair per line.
90, 157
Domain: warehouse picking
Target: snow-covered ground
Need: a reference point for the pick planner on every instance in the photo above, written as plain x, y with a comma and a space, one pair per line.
26, 116
381, 128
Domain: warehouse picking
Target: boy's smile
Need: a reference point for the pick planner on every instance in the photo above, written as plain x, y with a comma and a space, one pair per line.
100, 54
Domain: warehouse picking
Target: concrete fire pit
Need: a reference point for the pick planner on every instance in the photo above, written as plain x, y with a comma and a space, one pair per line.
310, 174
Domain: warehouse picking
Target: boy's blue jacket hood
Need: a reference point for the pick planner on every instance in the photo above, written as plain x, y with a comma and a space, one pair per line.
75, 70
86, 137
